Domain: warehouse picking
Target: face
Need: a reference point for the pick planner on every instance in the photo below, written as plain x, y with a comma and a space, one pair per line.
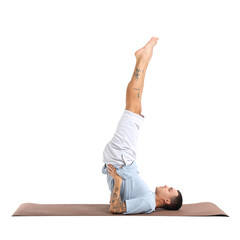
166, 193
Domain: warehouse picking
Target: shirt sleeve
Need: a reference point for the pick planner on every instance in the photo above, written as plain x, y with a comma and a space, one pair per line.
126, 174
139, 205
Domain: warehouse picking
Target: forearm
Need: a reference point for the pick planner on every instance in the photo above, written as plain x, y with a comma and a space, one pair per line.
116, 204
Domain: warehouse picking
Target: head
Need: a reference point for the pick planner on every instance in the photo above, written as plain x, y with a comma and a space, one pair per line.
168, 198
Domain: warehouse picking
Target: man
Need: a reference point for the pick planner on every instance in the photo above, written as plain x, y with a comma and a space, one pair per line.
129, 193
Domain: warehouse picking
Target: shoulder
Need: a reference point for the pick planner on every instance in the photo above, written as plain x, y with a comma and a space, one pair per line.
144, 204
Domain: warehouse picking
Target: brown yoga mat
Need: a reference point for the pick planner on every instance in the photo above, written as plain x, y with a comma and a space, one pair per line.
33, 209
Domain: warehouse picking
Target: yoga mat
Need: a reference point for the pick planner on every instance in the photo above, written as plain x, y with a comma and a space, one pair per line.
33, 209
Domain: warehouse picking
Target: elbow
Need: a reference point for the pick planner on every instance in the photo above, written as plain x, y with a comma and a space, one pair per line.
112, 210
115, 210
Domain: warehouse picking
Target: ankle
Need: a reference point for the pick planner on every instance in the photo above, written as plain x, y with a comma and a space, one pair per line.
142, 62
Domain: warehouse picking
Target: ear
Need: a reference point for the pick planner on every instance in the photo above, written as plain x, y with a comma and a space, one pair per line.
167, 201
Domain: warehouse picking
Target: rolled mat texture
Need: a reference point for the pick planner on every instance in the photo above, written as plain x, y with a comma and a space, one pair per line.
34, 209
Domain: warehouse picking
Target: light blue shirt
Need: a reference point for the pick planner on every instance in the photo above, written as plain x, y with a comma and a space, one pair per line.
138, 196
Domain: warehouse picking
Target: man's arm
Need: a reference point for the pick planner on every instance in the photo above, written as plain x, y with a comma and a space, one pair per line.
116, 204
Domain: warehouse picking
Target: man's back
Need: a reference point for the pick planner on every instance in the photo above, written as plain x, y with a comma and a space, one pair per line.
134, 190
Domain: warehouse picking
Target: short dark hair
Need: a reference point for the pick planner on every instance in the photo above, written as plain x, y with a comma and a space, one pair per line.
176, 202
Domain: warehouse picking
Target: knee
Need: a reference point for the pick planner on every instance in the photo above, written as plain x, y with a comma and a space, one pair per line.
134, 109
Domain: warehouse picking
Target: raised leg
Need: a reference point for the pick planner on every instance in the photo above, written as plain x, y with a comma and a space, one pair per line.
135, 86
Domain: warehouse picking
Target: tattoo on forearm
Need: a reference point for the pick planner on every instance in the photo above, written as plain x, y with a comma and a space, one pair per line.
114, 197
116, 201
120, 207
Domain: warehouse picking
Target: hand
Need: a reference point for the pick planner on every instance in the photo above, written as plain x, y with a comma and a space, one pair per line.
112, 171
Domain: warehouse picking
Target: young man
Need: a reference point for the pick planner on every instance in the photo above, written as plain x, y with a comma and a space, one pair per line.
129, 193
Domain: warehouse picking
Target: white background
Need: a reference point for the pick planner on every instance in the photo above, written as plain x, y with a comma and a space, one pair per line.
65, 66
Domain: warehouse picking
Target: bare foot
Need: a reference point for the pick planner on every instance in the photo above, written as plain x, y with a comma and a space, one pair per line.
147, 51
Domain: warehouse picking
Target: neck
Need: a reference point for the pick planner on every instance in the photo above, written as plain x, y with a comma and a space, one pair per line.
159, 201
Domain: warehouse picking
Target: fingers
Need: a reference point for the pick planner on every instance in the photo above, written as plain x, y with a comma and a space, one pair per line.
110, 168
